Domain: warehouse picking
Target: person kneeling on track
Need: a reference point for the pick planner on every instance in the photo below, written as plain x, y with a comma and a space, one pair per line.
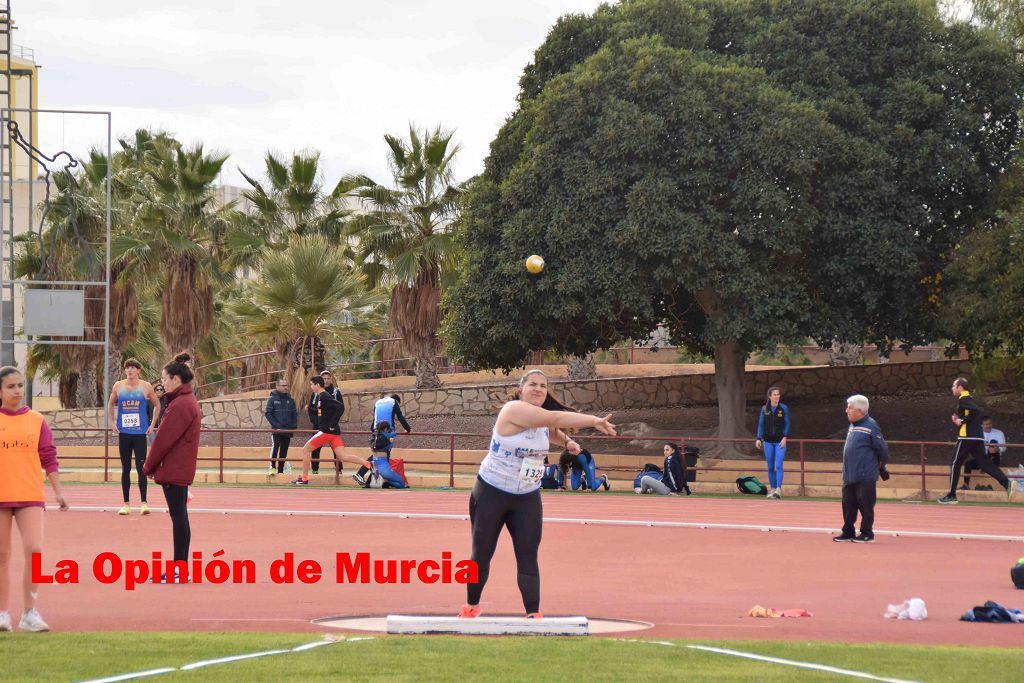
380, 444
582, 471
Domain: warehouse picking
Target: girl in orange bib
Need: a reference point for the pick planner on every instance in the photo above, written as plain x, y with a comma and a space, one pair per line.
26, 447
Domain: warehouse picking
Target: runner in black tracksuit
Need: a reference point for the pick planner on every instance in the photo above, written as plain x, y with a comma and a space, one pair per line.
970, 443
334, 392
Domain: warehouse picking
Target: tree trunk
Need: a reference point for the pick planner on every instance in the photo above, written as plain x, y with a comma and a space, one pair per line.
730, 360
425, 367
68, 390
85, 394
582, 367
116, 361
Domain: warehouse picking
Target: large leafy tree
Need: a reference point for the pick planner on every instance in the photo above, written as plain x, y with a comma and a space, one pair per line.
748, 172
986, 269
306, 293
404, 240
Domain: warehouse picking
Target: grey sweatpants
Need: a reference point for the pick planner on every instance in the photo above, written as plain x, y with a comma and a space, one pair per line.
651, 484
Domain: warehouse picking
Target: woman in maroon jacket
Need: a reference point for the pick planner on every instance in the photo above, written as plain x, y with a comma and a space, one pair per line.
172, 457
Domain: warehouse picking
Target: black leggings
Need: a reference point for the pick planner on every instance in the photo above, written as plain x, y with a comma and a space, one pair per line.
126, 445
968, 448
279, 451
490, 509
177, 506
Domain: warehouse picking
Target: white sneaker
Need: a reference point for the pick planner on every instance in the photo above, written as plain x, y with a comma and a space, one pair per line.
5, 621
31, 621
287, 468
271, 471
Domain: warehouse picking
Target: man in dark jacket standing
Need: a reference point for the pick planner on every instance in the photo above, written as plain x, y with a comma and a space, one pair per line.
865, 454
281, 413
970, 442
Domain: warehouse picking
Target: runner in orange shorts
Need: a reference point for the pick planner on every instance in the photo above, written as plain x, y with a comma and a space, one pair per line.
329, 412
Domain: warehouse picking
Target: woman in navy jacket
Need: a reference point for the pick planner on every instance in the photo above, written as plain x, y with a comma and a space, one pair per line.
772, 431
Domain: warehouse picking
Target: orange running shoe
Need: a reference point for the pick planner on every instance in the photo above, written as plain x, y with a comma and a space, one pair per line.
535, 615
469, 611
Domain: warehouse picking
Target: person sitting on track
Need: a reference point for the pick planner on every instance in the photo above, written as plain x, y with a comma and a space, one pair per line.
673, 481
582, 471
380, 444
329, 413
507, 489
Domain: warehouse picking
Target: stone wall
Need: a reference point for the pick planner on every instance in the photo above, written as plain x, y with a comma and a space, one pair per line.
600, 394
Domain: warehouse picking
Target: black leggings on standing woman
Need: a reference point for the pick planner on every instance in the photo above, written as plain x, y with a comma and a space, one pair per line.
490, 509
177, 506
127, 444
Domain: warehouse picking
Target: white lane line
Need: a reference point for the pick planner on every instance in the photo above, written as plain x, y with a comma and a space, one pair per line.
232, 658
772, 660
596, 522
225, 660
128, 677
798, 664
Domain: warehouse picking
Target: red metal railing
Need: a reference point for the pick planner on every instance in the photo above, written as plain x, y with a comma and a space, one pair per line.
755, 467
264, 379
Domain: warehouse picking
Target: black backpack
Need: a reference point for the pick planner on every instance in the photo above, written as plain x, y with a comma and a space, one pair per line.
751, 485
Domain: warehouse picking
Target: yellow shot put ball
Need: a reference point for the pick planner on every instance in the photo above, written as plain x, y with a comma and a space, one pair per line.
535, 264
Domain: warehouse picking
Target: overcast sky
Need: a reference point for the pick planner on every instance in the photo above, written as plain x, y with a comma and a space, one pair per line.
245, 77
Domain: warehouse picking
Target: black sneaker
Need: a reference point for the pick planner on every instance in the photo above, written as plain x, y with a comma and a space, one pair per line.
605, 483
843, 538
948, 500
301, 482
863, 538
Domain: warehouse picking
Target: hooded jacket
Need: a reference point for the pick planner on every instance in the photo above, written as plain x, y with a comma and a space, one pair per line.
281, 411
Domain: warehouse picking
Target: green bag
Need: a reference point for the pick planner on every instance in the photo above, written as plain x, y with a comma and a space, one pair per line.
751, 485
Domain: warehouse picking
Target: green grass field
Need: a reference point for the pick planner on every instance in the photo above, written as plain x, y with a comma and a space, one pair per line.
83, 656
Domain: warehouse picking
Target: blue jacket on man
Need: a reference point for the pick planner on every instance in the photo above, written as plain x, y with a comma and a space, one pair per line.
281, 411
865, 449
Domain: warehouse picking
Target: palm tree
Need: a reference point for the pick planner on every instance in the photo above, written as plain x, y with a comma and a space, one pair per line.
177, 238
69, 248
291, 202
304, 294
404, 239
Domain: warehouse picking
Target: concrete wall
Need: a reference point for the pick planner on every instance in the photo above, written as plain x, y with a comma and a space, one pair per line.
601, 394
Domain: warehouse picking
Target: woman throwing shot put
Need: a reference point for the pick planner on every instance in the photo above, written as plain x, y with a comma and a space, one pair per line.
507, 489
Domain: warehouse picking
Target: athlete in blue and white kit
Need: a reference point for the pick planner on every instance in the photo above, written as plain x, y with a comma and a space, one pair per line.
132, 424
387, 409
582, 471
507, 489
380, 445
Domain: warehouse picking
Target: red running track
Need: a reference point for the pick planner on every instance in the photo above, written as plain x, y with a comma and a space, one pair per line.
689, 581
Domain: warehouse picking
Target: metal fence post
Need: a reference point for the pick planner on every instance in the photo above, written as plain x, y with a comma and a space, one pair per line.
803, 488
222, 456
451, 461
924, 478
106, 455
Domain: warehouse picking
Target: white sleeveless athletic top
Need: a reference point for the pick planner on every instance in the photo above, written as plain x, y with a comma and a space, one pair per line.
515, 464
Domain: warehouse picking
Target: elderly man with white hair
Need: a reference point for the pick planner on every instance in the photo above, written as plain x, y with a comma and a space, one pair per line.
864, 456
